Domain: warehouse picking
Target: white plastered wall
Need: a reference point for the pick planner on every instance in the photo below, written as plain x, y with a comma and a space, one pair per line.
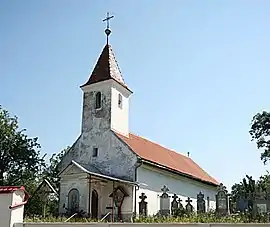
183, 187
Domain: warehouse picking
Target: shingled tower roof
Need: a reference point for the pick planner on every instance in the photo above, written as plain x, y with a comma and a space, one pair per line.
106, 68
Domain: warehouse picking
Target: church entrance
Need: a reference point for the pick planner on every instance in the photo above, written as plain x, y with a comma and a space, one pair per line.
94, 204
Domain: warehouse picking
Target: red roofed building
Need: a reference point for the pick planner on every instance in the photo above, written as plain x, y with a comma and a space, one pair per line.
107, 158
12, 201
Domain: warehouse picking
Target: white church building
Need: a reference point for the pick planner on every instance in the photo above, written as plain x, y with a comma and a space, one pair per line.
108, 168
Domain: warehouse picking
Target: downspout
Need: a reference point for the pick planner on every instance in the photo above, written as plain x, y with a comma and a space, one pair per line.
17, 205
113, 204
90, 195
139, 163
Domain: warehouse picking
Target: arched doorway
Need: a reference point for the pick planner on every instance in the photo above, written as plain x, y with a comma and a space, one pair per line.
94, 204
73, 200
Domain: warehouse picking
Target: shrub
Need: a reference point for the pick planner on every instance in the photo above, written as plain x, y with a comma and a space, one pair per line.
209, 217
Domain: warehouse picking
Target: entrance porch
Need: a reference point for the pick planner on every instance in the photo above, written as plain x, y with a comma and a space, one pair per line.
96, 195
110, 199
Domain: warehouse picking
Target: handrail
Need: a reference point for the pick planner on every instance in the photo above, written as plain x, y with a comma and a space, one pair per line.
71, 217
104, 217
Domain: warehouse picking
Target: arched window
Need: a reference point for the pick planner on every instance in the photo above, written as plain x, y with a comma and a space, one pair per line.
98, 100
120, 101
73, 200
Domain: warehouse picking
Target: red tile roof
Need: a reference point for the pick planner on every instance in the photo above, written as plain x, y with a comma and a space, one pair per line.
106, 68
9, 189
157, 154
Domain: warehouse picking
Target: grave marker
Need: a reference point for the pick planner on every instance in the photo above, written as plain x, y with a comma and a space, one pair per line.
200, 203
189, 207
143, 205
222, 200
164, 202
174, 204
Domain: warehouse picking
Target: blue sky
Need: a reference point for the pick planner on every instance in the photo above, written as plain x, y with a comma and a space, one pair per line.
199, 71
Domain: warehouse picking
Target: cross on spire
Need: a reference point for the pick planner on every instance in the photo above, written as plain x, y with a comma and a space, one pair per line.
107, 30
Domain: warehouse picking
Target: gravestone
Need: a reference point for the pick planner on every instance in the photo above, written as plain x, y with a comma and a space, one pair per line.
164, 202
241, 204
200, 203
222, 200
143, 205
189, 207
180, 205
174, 204
207, 204
261, 202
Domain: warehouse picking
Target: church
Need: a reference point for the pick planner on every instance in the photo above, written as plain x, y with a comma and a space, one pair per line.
108, 170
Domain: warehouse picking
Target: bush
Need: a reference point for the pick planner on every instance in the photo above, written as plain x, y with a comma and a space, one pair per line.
209, 217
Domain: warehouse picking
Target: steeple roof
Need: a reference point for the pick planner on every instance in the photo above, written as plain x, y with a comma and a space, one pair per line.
106, 68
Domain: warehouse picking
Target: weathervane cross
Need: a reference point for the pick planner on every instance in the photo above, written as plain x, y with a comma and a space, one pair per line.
107, 19
107, 30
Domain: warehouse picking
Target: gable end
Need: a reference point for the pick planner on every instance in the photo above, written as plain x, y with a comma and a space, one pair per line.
139, 159
125, 144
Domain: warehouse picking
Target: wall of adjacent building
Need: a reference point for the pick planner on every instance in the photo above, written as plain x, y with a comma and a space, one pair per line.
5, 212
10, 215
16, 213
155, 179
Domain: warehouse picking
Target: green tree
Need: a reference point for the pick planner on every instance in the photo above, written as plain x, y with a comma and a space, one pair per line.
52, 169
260, 132
243, 189
20, 161
42, 203
264, 182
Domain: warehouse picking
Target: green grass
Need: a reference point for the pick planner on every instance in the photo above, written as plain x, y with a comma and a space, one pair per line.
192, 218
56, 219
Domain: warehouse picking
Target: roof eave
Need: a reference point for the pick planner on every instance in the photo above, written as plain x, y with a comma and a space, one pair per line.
100, 175
89, 83
178, 172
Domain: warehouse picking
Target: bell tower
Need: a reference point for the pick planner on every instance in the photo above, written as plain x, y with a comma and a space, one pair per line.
106, 95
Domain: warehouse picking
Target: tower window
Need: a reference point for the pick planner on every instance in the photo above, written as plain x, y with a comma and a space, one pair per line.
95, 152
98, 100
120, 101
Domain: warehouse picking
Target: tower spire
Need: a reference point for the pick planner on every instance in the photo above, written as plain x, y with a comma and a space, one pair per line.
108, 30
